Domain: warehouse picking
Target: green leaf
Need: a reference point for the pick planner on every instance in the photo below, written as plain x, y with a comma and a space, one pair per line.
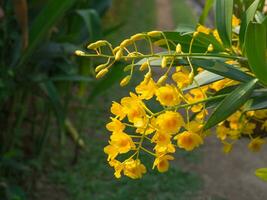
221, 68
51, 92
256, 49
261, 173
201, 42
231, 103
224, 12
43, 23
246, 19
92, 22
204, 15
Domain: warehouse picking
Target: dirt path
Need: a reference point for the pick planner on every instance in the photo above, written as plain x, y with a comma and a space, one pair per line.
229, 177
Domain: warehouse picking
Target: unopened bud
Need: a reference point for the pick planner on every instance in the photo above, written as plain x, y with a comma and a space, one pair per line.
116, 49
126, 43
210, 48
162, 79
101, 73
138, 36
97, 44
160, 42
144, 66
118, 55
191, 77
79, 53
100, 67
125, 81
164, 62
179, 49
154, 33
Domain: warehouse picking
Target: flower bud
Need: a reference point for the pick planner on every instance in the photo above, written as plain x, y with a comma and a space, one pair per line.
125, 81
101, 73
191, 77
116, 49
97, 44
118, 55
144, 66
164, 62
138, 36
154, 33
210, 48
162, 79
160, 42
126, 43
100, 67
79, 53
179, 49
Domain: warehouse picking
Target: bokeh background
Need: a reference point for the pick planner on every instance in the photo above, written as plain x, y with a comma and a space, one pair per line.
53, 112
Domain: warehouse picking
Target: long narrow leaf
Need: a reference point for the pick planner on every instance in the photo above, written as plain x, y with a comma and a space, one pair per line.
53, 10
246, 19
208, 6
256, 48
231, 103
224, 12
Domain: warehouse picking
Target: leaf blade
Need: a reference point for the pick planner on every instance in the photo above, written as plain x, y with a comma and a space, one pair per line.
231, 103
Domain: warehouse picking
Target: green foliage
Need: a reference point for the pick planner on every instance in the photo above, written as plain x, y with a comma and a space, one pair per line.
224, 12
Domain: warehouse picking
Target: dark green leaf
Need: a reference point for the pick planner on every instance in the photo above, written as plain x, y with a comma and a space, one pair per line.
246, 19
224, 12
92, 22
43, 23
256, 49
231, 103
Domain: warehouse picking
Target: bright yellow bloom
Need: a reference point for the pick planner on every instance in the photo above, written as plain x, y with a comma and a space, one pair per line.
234, 120
203, 29
181, 77
235, 21
194, 126
111, 151
217, 36
168, 95
122, 142
163, 143
188, 140
115, 126
118, 167
146, 89
264, 126
134, 169
248, 128
170, 122
222, 131
162, 163
142, 127
256, 144
133, 107
261, 114
118, 110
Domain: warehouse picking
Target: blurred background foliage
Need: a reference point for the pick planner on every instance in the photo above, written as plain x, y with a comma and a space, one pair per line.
53, 110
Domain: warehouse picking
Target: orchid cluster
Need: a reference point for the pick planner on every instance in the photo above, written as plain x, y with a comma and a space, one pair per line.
182, 102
